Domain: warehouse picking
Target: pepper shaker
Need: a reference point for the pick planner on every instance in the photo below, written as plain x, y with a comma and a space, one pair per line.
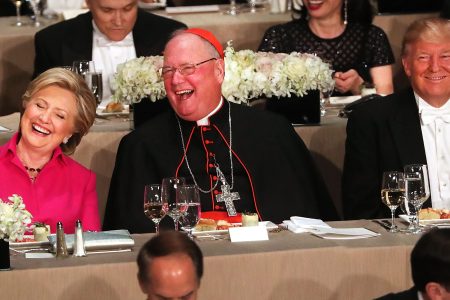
61, 246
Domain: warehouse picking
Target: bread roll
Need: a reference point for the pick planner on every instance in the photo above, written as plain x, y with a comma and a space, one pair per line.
113, 107
429, 214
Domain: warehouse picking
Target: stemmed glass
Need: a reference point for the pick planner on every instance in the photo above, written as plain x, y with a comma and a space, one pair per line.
17, 4
36, 11
252, 4
417, 191
82, 67
392, 193
324, 101
95, 83
169, 189
154, 206
188, 202
233, 9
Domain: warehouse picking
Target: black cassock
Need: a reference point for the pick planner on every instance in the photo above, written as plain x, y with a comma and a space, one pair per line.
273, 170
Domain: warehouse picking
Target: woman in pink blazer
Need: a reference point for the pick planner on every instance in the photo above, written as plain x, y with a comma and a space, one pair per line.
58, 110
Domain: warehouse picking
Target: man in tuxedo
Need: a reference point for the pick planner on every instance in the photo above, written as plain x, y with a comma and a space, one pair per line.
170, 267
430, 267
252, 157
406, 127
112, 32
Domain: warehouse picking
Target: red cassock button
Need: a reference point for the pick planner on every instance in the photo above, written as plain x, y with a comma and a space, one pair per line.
216, 192
217, 207
214, 177
210, 165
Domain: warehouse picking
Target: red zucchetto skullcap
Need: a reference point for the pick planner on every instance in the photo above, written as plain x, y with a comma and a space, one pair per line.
207, 35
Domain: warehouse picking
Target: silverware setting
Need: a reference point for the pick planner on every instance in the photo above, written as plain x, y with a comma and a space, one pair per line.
383, 223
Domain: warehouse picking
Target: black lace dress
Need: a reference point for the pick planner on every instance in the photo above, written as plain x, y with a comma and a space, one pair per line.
359, 47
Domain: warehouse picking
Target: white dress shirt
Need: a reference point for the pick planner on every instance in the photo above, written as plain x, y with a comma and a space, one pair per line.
107, 54
435, 128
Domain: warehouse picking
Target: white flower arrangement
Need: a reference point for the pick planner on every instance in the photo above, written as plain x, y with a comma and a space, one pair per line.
248, 75
14, 218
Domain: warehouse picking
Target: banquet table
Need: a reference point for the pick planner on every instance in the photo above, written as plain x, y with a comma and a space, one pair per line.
97, 150
287, 266
246, 30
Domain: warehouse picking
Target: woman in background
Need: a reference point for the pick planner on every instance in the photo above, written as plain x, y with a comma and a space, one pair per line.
58, 110
341, 33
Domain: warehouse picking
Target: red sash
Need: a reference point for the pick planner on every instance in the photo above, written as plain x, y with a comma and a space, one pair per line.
221, 215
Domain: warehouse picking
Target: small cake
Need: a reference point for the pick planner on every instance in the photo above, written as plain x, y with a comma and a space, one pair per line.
41, 232
249, 219
429, 214
223, 225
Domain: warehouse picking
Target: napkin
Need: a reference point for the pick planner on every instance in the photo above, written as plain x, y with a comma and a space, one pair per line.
103, 240
4, 129
323, 230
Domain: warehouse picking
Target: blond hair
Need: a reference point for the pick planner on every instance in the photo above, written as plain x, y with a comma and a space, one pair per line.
85, 101
434, 30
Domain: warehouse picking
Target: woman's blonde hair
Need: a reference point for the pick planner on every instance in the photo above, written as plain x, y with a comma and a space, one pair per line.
428, 29
85, 101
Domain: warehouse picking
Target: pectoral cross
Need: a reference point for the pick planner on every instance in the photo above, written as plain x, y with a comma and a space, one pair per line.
227, 196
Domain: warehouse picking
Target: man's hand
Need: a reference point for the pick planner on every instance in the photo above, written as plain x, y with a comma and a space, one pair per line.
348, 81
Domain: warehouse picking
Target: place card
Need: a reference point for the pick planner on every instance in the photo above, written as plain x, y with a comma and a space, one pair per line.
248, 234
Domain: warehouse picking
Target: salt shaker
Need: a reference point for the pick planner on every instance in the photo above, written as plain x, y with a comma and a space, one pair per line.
61, 247
78, 244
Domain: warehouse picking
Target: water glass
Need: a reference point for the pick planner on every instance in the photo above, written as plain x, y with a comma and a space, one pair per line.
169, 188
188, 202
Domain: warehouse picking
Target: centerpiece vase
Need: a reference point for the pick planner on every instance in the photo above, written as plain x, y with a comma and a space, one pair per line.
298, 110
5, 263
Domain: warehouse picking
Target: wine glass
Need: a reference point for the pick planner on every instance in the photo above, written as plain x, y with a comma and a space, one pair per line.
169, 188
95, 83
324, 101
252, 4
417, 191
34, 4
154, 206
17, 4
188, 203
82, 67
392, 193
233, 11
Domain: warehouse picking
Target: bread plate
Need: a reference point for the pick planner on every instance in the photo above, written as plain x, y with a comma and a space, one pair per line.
267, 224
435, 222
343, 100
25, 244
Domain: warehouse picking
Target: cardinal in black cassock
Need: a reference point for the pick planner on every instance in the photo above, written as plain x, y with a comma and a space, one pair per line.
259, 154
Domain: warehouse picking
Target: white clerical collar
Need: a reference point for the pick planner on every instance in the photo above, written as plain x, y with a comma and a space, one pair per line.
422, 104
101, 40
205, 120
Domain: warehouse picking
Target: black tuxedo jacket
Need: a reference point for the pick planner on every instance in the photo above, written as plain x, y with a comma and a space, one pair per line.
410, 294
382, 135
70, 40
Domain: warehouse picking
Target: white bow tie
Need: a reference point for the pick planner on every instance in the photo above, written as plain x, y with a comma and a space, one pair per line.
103, 42
429, 115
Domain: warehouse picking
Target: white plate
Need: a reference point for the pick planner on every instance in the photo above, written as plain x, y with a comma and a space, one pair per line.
18, 245
429, 221
151, 6
125, 111
344, 100
267, 224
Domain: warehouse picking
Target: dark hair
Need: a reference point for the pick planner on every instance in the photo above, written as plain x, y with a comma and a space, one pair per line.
358, 11
430, 259
168, 243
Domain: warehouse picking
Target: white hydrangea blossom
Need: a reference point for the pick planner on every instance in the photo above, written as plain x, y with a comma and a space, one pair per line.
248, 75
137, 79
14, 218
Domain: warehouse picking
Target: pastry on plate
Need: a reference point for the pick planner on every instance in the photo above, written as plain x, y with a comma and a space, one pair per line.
113, 107
206, 225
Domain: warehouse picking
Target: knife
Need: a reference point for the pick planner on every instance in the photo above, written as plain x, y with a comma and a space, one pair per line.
383, 223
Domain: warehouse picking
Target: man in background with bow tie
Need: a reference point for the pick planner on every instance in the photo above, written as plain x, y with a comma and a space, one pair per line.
407, 127
112, 32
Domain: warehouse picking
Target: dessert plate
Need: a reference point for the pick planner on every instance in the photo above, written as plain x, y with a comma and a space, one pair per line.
267, 224
343, 100
25, 244
101, 112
